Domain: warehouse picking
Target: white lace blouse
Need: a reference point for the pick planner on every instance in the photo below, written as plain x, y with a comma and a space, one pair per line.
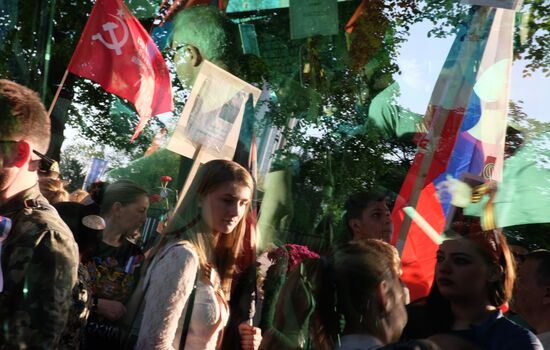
169, 282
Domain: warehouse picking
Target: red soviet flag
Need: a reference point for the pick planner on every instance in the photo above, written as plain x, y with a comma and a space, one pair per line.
116, 52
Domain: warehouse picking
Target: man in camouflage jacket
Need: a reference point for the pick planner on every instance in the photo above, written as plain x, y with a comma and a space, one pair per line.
39, 257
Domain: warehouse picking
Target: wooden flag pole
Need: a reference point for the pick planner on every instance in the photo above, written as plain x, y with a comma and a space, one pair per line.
191, 175
420, 179
54, 101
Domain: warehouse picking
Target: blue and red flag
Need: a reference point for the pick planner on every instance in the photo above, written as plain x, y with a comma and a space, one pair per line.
465, 125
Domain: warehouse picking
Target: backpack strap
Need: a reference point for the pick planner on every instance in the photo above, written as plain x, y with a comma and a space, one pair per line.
188, 313
137, 304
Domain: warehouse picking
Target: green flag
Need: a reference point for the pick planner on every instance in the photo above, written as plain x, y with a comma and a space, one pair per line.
524, 195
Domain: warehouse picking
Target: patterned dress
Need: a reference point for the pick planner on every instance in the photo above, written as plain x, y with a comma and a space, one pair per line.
113, 275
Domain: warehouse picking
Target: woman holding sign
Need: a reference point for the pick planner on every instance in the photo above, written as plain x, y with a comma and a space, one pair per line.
188, 283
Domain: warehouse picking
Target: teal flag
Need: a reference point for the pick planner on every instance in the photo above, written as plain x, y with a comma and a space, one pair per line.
277, 208
523, 197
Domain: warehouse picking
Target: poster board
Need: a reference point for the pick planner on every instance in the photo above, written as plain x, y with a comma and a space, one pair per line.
313, 17
257, 5
213, 115
249, 39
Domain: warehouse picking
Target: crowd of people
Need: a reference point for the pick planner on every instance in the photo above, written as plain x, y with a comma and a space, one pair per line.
73, 276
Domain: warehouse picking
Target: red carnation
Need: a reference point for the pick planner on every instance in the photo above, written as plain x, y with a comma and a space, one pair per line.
165, 179
296, 253
155, 198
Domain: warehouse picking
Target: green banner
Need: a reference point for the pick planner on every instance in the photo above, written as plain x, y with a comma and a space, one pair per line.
313, 17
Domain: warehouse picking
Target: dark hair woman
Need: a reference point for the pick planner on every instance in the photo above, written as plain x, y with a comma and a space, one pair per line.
474, 276
351, 300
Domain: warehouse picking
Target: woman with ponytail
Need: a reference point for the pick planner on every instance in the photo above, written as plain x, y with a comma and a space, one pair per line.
352, 299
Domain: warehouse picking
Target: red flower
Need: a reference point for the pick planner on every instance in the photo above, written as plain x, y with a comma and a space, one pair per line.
155, 198
165, 179
296, 253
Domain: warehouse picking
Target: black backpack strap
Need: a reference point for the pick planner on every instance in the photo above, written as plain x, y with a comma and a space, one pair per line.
188, 313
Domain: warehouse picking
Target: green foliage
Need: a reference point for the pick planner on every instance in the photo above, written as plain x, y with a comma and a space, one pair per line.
93, 115
326, 97
76, 158
146, 171
533, 44
518, 119
72, 171
323, 85
532, 29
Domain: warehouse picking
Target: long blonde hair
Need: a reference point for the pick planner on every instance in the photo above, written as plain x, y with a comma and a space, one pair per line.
53, 190
187, 223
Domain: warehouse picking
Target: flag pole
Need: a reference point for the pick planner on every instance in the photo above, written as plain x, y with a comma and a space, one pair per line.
54, 101
192, 172
253, 168
420, 178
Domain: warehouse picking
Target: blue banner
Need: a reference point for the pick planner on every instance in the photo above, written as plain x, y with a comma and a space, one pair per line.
96, 170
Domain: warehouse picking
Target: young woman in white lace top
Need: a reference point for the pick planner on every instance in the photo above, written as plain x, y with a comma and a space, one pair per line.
200, 245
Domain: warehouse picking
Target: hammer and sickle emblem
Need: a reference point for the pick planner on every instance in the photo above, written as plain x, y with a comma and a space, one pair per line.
115, 44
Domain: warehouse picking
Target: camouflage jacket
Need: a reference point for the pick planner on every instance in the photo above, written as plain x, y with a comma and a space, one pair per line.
39, 264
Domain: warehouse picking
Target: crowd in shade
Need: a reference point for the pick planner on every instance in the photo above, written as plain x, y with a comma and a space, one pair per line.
76, 272
74, 276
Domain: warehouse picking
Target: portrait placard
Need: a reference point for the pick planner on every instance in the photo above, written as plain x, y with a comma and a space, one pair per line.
213, 114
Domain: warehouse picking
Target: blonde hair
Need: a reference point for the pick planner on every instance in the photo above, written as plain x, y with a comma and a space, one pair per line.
78, 196
188, 225
123, 192
53, 190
